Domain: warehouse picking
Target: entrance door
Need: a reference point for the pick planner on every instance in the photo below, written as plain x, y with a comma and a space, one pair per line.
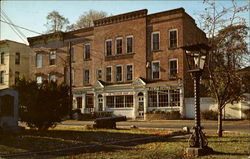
100, 103
140, 105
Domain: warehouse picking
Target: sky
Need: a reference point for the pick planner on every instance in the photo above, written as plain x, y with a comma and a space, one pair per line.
32, 14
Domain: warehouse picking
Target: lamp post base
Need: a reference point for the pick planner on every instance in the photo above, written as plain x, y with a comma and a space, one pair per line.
194, 151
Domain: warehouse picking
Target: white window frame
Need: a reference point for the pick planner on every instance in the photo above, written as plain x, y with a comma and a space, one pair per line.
118, 38
51, 53
132, 72
97, 73
41, 55
39, 79
106, 74
155, 32
106, 47
129, 36
175, 29
116, 73
84, 52
152, 69
173, 59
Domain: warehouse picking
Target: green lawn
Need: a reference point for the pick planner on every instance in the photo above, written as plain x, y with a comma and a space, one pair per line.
230, 146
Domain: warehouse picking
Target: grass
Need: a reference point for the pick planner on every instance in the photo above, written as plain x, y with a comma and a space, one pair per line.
230, 146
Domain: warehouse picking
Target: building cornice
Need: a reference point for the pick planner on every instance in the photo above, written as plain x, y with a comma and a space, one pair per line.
121, 18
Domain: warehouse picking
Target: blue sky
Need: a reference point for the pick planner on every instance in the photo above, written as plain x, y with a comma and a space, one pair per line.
32, 14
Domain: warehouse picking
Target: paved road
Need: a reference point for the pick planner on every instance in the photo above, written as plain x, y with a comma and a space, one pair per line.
235, 126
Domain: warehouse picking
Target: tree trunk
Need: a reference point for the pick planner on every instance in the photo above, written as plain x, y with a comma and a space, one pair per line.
219, 122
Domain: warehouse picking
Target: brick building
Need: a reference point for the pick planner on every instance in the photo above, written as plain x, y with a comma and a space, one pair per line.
127, 64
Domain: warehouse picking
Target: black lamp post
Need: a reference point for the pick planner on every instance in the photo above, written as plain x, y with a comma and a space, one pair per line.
196, 56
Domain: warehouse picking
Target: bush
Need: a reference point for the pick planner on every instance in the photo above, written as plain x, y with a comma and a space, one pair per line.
42, 106
247, 112
209, 115
162, 115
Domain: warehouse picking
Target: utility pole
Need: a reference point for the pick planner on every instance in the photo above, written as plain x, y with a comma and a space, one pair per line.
70, 78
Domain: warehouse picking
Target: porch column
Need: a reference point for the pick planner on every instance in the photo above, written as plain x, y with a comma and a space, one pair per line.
182, 107
145, 103
83, 102
104, 102
134, 106
95, 102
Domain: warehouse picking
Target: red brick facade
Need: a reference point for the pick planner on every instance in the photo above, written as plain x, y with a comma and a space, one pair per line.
138, 25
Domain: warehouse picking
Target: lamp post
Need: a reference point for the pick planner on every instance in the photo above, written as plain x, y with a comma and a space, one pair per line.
196, 56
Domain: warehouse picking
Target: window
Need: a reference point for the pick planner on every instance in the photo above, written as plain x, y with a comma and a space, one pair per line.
129, 44
17, 58
118, 46
86, 51
72, 54
108, 47
2, 58
129, 72
155, 70
86, 76
155, 41
173, 68
173, 38
120, 101
52, 78
164, 98
99, 74
108, 74
89, 101
2, 77
17, 74
118, 73
79, 102
52, 58
39, 60
39, 79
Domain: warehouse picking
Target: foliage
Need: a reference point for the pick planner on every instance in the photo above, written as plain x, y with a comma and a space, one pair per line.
87, 19
209, 115
247, 112
227, 33
42, 106
162, 115
56, 22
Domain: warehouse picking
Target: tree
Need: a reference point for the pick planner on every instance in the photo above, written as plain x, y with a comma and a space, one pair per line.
42, 106
227, 33
56, 22
86, 19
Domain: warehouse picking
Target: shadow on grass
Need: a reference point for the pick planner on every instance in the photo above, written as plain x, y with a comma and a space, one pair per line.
33, 141
230, 154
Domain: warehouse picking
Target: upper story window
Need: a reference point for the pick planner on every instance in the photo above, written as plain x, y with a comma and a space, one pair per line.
118, 42
2, 77
17, 74
108, 73
173, 38
2, 58
118, 73
17, 58
108, 47
39, 79
99, 74
39, 60
129, 72
52, 58
86, 76
129, 42
52, 78
173, 68
155, 41
87, 51
156, 70
72, 52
